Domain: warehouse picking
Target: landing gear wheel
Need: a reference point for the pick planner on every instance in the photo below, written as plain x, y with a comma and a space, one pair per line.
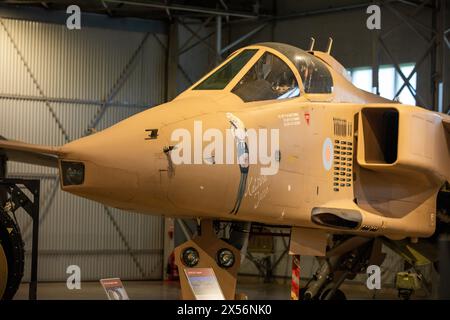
338, 295
11, 257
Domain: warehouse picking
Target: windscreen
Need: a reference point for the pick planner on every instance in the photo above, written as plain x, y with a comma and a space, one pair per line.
269, 78
220, 79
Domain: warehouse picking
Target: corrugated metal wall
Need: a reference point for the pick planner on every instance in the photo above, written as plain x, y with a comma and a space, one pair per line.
53, 85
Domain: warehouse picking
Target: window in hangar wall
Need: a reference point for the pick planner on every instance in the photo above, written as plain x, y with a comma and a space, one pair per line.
389, 81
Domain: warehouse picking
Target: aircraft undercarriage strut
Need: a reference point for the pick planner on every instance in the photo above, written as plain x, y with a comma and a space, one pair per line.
348, 258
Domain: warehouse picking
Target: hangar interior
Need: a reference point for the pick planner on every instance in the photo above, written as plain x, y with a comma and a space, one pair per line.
58, 84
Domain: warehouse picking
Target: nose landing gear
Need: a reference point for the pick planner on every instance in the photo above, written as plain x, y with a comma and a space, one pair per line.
344, 261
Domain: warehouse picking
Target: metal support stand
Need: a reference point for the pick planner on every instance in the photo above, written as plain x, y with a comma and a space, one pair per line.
208, 247
16, 198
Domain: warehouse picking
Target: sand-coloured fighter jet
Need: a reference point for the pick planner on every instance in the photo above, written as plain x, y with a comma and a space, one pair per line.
275, 135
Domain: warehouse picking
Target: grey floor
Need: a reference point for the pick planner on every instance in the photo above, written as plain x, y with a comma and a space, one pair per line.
166, 290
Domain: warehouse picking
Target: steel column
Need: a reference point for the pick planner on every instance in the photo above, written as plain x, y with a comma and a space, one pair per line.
445, 61
375, 63
434, 68
183, 72
172, 61
218, 39
35, 184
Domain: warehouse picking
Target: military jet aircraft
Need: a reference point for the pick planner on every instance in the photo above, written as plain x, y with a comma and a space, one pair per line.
275, 135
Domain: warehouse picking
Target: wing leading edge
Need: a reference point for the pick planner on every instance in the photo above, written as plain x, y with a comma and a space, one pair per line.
30, 153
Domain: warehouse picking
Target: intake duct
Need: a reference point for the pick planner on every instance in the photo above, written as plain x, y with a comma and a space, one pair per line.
380, 134
336, 218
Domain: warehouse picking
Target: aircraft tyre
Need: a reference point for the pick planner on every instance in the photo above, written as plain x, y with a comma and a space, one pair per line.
11, 257
3, 271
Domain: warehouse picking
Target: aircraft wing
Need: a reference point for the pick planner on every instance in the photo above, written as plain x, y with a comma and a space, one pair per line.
29, 153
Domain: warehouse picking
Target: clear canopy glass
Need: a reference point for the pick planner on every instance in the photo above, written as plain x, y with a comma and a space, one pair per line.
270, 77
314, 73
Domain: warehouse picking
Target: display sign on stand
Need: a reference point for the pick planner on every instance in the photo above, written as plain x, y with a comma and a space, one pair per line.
204, 284
114, 289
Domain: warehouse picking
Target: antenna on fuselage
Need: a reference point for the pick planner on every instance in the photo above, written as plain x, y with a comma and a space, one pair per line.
329, 45
312, 41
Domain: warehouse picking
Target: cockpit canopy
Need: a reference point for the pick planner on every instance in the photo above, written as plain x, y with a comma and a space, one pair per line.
268, 76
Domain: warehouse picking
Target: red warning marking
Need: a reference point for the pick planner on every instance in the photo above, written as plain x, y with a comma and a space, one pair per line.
295, 282
307, 117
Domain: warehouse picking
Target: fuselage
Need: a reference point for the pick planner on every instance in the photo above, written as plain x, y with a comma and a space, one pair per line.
317, 160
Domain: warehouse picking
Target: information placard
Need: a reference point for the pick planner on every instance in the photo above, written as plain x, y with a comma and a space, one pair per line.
114, 289
204, 284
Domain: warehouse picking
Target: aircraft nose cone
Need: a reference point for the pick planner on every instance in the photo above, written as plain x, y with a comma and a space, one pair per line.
120, 166
94, 178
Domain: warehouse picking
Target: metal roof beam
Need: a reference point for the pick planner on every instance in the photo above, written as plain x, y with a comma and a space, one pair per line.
179, 7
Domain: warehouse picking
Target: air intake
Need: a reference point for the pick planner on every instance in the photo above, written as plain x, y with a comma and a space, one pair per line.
336, 218
380, 127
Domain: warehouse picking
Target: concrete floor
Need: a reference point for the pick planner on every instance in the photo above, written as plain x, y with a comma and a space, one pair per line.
166, 290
